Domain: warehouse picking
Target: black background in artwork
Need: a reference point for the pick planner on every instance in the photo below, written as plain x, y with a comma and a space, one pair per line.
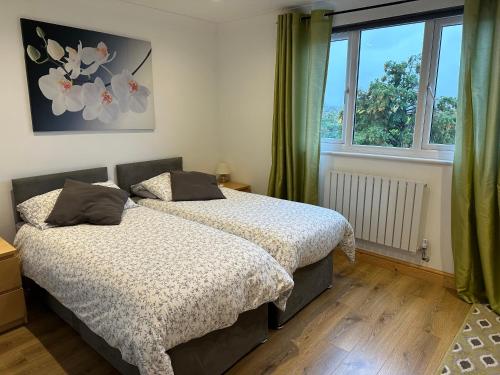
130, 54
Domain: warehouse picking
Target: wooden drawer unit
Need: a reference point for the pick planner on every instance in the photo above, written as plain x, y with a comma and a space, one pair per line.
12, 309
10, 274
237, 186
12, 305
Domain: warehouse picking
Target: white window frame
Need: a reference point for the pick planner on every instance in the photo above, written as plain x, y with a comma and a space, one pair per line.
438, 26
339, 37
421, 147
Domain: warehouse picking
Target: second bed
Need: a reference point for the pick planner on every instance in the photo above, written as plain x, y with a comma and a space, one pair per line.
300, 237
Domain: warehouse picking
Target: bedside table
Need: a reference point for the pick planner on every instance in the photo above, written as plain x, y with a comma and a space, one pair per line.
12, 305
237, 186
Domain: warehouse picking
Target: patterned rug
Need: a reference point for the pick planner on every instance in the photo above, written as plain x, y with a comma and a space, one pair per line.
476, 348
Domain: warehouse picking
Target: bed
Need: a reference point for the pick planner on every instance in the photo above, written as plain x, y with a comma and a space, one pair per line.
135, 302
300, 237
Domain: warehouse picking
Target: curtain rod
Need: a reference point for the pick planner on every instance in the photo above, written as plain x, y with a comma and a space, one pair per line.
366, 8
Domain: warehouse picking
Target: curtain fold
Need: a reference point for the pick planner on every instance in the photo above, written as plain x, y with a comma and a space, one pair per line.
300, 75
476, 169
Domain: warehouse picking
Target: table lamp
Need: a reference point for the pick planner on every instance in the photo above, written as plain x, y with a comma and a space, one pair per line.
222, 171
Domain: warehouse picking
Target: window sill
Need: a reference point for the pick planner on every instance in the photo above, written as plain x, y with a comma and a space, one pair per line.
409, 159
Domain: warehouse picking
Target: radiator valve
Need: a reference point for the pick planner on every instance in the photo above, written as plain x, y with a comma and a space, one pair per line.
425, 245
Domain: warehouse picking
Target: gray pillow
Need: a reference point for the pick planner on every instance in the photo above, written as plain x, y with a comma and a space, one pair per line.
128, 204
38, 208
81, 203
194, 186
140, 191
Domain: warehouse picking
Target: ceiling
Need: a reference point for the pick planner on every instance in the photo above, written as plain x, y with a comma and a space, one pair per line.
230, 10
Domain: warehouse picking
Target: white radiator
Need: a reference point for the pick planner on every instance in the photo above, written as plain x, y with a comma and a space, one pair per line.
383, 210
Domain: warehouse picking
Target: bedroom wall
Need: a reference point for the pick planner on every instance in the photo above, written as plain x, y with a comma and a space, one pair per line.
246, 56
184, 83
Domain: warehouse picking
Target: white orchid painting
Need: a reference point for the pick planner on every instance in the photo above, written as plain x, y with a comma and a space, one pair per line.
82, 80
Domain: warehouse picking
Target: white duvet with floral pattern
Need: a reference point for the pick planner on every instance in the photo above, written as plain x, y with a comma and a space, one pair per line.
295, 234
153, 282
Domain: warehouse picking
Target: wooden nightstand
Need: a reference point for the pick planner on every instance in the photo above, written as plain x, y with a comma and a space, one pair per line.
12, 305
237, 186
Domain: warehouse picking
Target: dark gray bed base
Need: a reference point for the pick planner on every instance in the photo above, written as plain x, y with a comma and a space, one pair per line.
310, 281
213, 353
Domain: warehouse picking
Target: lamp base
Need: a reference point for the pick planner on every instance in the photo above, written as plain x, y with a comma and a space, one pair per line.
223, 178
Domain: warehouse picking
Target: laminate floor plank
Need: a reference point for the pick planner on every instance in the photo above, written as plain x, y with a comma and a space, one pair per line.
375, 320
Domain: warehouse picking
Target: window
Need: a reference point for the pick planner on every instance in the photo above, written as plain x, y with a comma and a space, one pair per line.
386, 99
332, 120
445, 87
393, 89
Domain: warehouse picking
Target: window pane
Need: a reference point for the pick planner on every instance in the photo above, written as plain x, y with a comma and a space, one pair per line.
332, 118
388, 80
444, 116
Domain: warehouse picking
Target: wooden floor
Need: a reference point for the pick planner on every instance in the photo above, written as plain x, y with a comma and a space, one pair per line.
373, 321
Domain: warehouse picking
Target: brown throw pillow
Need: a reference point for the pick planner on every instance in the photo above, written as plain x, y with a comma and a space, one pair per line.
194, 186
80, 203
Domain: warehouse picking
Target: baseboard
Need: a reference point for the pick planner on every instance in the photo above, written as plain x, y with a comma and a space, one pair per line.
440, 277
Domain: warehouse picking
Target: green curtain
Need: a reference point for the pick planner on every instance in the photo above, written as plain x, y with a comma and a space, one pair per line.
302, 50
476, 177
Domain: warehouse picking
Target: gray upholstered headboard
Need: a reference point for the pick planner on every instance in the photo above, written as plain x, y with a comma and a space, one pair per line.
133, 173
25, 188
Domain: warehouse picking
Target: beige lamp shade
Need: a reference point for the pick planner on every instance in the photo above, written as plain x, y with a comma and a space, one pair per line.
222, 168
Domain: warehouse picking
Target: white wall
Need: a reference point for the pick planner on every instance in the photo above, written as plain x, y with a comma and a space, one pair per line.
246, 56
245, 66
184, 86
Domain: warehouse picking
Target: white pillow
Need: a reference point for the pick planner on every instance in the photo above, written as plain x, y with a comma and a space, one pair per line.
160, 186
38, 208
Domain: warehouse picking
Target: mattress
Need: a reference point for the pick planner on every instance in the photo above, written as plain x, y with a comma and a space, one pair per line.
295, 234
153, 282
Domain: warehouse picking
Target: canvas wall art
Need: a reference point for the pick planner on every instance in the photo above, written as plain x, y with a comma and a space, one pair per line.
82, 80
